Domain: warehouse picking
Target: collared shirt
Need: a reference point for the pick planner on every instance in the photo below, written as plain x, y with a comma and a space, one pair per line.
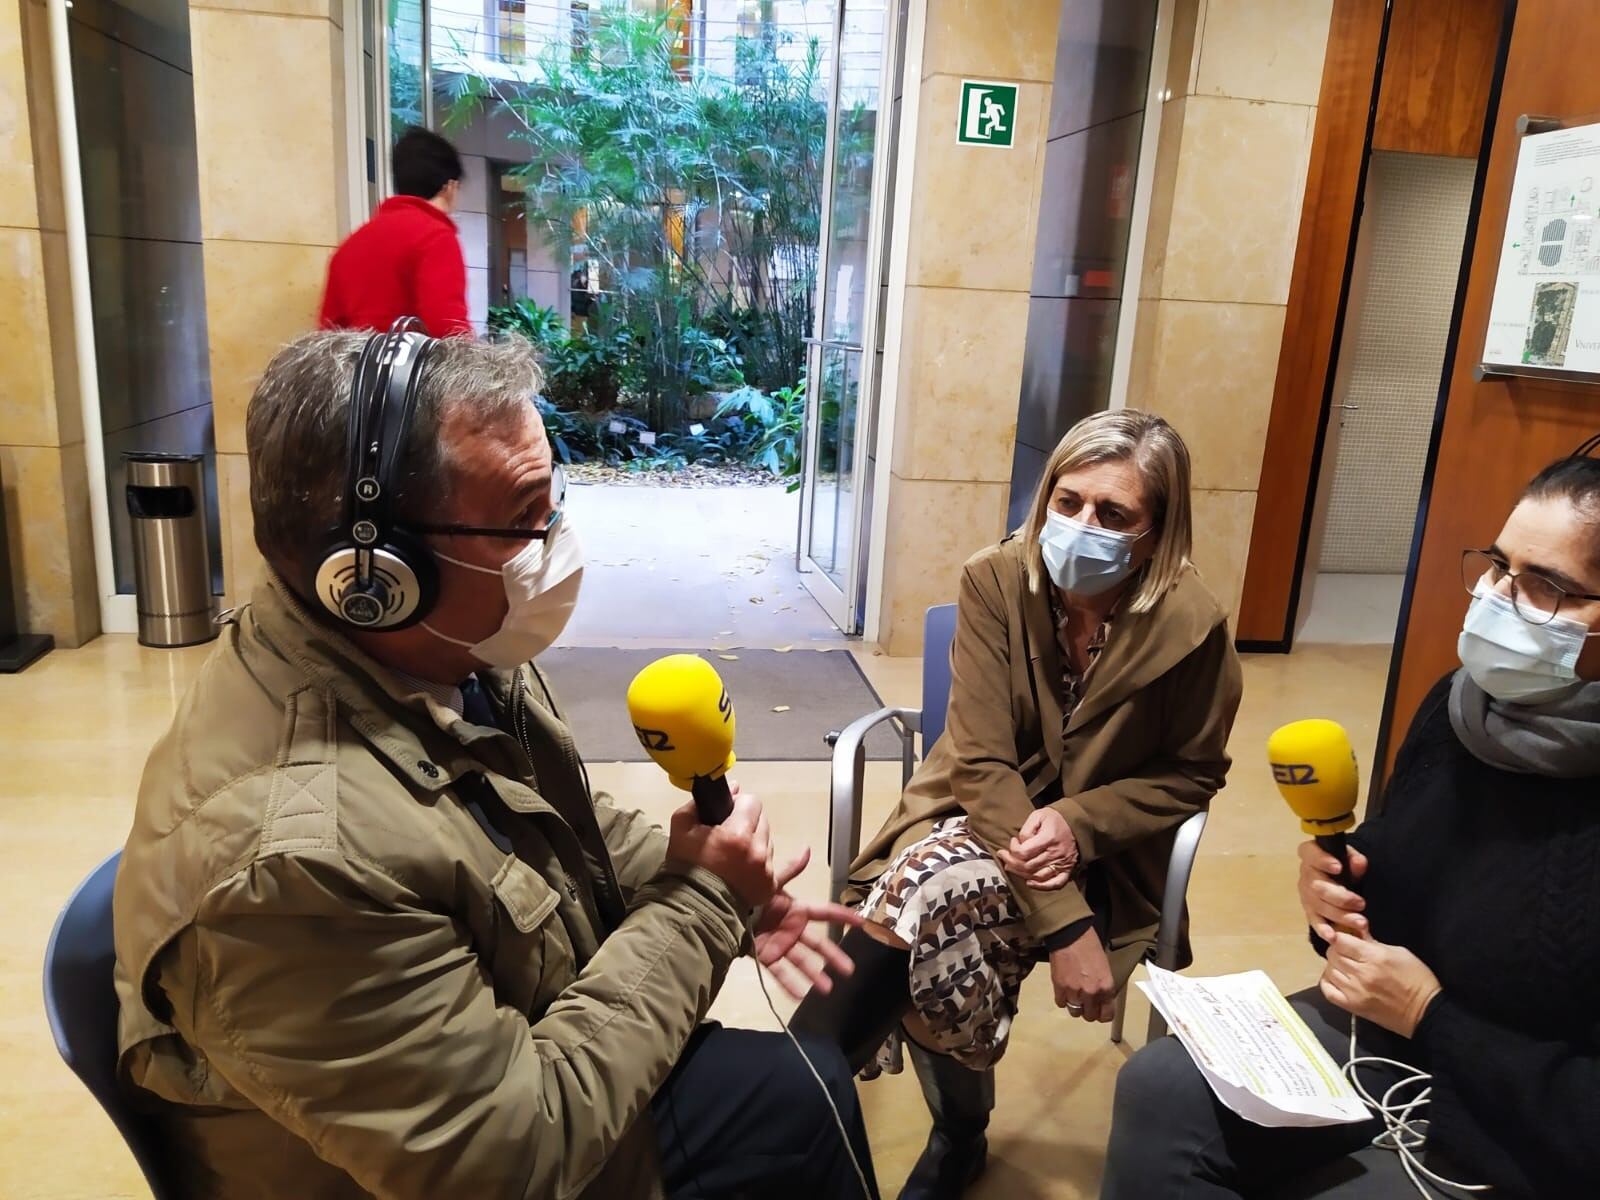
443, 694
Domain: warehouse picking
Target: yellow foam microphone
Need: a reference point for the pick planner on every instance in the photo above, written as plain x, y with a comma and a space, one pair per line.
1314, 766
684, 718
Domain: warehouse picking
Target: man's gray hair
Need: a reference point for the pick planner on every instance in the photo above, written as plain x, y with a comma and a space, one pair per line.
297, 425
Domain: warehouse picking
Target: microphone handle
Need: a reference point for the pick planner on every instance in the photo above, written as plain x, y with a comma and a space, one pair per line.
1333, 843
714, 801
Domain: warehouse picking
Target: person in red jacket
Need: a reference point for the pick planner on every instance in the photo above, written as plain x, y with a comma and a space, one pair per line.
406, 261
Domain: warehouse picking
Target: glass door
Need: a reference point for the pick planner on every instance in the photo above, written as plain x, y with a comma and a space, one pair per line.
841, 374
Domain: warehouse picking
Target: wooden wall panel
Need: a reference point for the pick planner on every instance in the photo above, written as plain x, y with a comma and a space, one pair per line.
1437, 65
1496, 434
1332, 181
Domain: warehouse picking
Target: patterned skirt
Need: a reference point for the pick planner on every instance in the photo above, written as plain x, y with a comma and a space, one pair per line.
948, 899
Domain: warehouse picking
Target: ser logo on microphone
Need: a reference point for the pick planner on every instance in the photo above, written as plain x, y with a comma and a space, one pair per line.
1294, 773
654, 739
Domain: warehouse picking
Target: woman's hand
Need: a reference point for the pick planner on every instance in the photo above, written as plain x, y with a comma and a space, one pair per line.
1044, 853
1387, 985
1081, 976
1328, 905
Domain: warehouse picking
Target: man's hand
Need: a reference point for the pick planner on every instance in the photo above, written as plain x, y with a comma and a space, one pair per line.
1044, 853
1387, 985
1081, 975
798, 956
1328, 905
739, 851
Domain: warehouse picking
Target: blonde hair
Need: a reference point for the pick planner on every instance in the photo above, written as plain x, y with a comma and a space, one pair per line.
1162, 462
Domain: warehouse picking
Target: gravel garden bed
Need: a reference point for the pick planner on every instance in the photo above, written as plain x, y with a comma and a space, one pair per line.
695, 475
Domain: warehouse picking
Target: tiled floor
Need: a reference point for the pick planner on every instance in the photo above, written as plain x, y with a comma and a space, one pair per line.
1361, 610
79, 724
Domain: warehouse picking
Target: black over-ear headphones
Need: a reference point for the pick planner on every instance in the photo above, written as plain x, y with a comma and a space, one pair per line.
367, 573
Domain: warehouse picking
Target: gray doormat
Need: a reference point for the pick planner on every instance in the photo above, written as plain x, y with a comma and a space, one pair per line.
822, 689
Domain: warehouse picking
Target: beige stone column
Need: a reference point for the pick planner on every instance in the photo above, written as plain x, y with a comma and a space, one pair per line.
963, 314
270, 136
472, 227
1230, 175
41, 428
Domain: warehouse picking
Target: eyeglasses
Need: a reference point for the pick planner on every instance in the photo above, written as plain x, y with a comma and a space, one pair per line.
1535, 598
558, 489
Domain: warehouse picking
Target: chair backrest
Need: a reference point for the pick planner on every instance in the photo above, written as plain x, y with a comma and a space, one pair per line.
938, 634
81, 1003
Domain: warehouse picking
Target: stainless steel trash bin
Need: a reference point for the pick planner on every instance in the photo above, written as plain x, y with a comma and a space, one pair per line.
171, 570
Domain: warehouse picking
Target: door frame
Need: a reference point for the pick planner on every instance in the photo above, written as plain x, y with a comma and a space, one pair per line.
873, 626
840, 603
1156, 96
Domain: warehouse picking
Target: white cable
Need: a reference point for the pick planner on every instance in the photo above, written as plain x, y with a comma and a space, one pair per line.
844, 1134
1403, 1133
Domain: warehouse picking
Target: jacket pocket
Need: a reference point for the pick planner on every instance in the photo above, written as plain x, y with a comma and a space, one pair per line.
533, 958
527, 898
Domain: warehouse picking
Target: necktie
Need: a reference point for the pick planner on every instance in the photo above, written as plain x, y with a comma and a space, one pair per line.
475, 704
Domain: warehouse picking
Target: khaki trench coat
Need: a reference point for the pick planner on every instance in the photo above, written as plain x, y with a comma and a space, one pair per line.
1144, 749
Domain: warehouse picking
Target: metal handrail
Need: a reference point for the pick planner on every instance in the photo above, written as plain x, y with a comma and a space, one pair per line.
846, 788
1185, 846
1180, 866
833, 344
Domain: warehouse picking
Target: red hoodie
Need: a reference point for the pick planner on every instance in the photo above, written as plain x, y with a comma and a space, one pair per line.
405, 262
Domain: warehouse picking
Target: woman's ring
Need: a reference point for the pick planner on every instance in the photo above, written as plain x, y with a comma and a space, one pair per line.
1075, 1009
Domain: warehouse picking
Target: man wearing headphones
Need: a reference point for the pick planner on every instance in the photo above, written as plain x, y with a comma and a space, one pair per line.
374, 934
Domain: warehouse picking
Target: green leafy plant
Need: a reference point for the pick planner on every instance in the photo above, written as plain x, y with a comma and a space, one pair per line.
571, 436
773, 426
712, 364
583, 369
540, 324
696, 199
611, 438
403, 19
748, 427
617, 437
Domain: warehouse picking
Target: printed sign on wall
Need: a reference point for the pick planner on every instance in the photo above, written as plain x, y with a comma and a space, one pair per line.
1546, 310
988, 113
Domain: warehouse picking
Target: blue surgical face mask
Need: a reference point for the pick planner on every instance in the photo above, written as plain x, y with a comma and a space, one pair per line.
1515, 662
1085, 560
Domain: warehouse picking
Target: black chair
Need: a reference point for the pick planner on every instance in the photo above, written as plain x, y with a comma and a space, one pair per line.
81, 1003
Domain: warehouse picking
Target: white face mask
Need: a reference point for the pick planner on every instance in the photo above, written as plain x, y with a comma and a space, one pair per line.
1513, 661
1085, 560
541, 583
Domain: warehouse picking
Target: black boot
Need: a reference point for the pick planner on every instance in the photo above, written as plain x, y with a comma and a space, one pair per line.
957, 1150
865, 1008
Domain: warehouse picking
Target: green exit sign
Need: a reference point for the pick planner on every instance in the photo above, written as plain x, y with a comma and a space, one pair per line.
988, 113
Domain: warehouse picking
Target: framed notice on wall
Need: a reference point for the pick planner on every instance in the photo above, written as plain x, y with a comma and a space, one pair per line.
1545, 318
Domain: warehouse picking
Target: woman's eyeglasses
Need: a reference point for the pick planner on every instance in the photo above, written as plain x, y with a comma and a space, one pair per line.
558, 493
1536, 599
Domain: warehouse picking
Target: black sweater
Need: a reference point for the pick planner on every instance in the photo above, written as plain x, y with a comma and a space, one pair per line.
1493, 880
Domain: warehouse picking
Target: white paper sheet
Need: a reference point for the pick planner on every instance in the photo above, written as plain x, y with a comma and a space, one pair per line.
1254, 1050
1546, 308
